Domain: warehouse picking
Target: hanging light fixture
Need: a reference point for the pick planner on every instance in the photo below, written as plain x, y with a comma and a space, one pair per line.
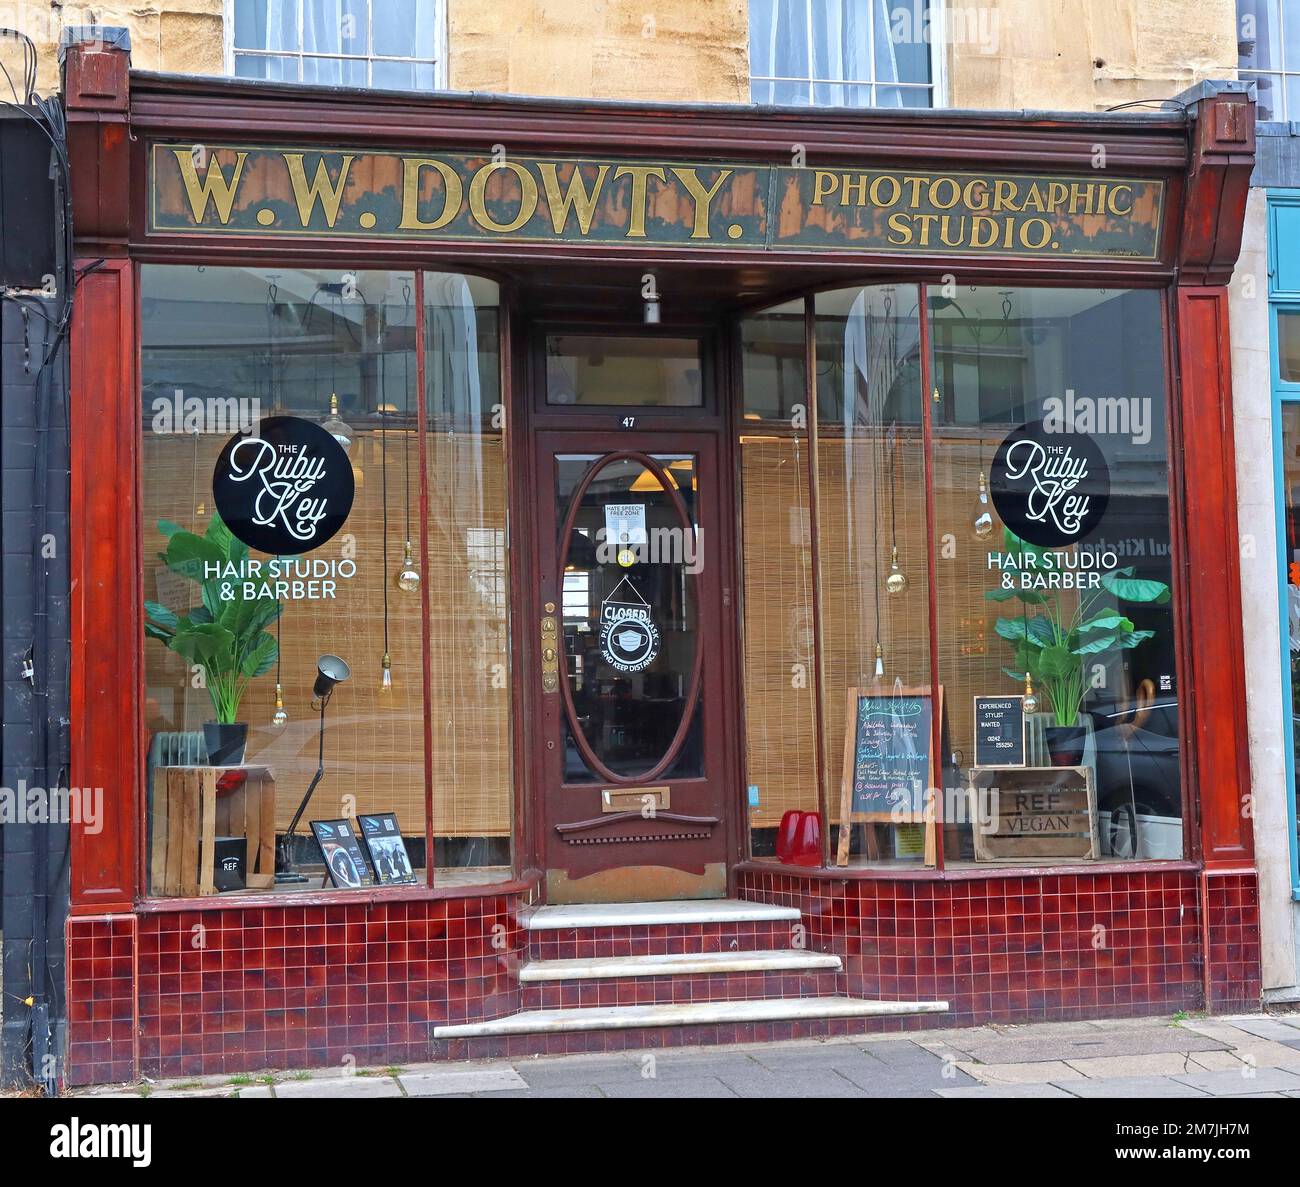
1030, 703
896, 580
408, 576
279, 718
880, 661
336, 426
386, 664
982, 518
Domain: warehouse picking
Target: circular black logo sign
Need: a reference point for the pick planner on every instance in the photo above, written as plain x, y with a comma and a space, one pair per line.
1050, 488
284, 489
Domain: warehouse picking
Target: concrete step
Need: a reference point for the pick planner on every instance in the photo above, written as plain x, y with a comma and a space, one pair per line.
661, 914
692, 1014
675, 964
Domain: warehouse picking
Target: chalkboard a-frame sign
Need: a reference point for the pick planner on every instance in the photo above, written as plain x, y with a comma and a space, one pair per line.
889, 767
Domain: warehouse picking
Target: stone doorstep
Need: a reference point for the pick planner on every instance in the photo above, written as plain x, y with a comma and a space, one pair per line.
690, 1014
675, 964
685, 911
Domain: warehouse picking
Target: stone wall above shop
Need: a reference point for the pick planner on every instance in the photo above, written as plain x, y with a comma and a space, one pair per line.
1085, 55
674, 50
179, 36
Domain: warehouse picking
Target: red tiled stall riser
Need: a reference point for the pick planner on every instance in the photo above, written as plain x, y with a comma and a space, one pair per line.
1034, 947
1236, 981
235, 990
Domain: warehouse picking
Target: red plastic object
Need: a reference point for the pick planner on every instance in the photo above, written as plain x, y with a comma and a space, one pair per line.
230, 781
786, 835
808, 841
799, 839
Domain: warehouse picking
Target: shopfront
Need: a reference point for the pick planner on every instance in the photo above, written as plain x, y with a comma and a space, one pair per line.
483, 505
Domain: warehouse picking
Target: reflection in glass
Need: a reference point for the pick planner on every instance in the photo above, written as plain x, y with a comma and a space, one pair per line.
1101, 656
629, 617
629, 371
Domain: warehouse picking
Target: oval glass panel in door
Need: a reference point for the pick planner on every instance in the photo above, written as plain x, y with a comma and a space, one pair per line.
629, 547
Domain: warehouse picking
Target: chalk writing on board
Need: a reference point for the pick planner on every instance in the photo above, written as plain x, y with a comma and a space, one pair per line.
891, 754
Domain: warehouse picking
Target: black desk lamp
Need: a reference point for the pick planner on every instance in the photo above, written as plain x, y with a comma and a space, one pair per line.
330, 670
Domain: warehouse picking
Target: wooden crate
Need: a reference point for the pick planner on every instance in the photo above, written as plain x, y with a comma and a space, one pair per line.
188, 815
1035, 815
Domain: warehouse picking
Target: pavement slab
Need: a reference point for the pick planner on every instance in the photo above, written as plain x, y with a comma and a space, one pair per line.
1130, 1088
1265, 1079
1152, 1039
452, 1083
1004, 1092
1039, 1072
355, 1087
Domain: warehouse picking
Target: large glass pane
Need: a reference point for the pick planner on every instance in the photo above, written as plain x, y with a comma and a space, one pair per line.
278, 424
776, 566
630, 618
649, 371
1288, 345
468, 577
1291, 558
1259, 34
1052, 512
266, 24
873, 577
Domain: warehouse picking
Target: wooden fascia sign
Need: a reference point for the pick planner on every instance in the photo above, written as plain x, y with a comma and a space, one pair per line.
264, 191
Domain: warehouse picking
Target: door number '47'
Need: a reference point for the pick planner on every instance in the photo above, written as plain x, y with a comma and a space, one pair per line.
628, 422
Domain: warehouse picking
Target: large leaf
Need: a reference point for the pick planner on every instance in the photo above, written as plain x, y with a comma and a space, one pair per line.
208, 644
1124, 585
1106, 622
1096, 643
1057, 661
1031, 597
187, 554
261, 658
1041, 632
1012, 629
158, 615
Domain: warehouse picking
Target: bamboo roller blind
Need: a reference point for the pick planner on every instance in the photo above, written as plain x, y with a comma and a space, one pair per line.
375, 740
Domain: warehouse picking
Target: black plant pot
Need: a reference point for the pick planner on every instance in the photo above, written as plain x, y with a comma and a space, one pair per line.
225, 742
1065, 744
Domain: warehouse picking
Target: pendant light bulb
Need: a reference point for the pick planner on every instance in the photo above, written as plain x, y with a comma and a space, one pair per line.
408, 577
338, 428
1030, 703
279, 718
896, 582
982, 521
880, 661
386, 682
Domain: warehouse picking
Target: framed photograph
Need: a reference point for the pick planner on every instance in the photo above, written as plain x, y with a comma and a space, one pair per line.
344, 861
386, 848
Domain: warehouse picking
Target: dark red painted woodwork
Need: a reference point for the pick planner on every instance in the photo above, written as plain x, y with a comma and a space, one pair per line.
1214, 689
1223, 155
107, 614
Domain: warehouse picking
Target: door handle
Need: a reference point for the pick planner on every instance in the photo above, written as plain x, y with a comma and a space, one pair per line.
550, 650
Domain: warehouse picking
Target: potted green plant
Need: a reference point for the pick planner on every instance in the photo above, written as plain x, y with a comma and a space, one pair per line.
1052, 645
227, 637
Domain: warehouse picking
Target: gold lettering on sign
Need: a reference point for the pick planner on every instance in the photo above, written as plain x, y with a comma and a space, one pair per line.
320, 188
527, 197
701, 196
640, 175
214, 185
574, 197
452, 194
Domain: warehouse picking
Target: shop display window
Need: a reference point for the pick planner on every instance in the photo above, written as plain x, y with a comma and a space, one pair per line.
989, 575
284, 521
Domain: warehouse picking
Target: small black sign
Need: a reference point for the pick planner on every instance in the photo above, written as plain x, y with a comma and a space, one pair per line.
285, 488
387, 850
999, 732
1050, 488
344, 862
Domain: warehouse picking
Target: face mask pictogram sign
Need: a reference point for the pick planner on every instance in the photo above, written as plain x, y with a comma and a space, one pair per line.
629, 639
